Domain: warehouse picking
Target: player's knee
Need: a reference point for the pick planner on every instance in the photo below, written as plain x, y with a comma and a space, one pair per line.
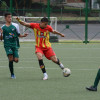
10, 57
16, 60
39, 56
10, 60
54, 59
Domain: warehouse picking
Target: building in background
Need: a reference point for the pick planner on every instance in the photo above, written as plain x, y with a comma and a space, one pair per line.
40, 1
75, 3
94, 4
72, 3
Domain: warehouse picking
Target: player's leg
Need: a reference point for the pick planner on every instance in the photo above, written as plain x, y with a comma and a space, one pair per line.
57, 61
39, 54
16, 60
41, 64
16, 55
10, 57
94, 87
9, 53
97, 79
50, 54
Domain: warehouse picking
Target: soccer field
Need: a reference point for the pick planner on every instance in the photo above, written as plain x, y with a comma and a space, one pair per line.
82, 59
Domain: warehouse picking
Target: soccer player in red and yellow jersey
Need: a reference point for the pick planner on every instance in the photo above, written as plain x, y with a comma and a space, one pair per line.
43, 46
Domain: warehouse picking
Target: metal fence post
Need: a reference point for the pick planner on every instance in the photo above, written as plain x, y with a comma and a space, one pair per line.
86, 22
11, 2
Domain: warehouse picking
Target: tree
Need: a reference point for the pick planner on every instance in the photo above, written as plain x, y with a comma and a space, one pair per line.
3, 5
22, 4
83, 0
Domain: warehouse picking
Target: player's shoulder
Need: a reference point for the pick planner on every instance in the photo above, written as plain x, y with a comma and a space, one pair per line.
34, 23
48, 26
3, 26
15, 24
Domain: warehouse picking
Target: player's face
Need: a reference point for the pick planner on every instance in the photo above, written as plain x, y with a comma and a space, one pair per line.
43, 24
8, 18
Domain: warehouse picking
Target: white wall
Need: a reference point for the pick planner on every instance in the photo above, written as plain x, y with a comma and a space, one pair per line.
76, 4
95, 5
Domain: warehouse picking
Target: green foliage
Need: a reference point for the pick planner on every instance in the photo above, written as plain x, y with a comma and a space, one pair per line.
28, 14
58, 1
3, 5
98, 1
83, 0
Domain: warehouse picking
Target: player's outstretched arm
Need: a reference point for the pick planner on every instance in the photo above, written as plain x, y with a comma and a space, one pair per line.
22, 22
58, 33
1, 31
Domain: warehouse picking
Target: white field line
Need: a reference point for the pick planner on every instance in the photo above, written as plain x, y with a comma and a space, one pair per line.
58, 47
47, 68
34, 58
63, 61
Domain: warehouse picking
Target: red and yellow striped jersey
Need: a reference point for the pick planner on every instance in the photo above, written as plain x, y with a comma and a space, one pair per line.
41, 35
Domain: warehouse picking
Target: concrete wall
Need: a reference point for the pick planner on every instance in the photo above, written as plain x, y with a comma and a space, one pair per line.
73, 1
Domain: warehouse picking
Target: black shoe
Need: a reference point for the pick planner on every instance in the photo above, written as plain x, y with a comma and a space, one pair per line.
91, 88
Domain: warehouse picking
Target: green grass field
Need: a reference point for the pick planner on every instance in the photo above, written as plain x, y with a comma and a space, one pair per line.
82, 59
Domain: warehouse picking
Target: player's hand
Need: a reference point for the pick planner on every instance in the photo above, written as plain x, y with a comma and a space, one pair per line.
25, 34
17, 18
62, 35
1, 31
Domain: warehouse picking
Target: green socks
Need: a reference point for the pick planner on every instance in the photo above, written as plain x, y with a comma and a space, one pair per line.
97, 79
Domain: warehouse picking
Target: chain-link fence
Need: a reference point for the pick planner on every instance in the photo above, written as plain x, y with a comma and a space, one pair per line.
74, 19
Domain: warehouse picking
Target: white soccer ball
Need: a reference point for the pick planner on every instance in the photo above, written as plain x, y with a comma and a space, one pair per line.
66, 72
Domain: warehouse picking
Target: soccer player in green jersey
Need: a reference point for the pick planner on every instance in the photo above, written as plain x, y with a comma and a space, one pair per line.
10, 33
96, 82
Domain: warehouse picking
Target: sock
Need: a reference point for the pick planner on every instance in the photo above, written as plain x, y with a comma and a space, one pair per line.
11, 67
45, 74
97, 79
42, 66
60, 64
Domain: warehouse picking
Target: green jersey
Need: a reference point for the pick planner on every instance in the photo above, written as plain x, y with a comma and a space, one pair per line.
10, 35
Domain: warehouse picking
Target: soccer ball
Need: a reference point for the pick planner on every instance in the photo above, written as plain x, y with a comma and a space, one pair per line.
66, 72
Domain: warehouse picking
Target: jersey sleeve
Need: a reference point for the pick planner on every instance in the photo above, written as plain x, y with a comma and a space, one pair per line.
50, 29
17, 29
32, 25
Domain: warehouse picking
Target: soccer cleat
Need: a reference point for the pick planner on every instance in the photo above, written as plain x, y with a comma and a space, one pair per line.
45, 76
91, 88
13, 77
